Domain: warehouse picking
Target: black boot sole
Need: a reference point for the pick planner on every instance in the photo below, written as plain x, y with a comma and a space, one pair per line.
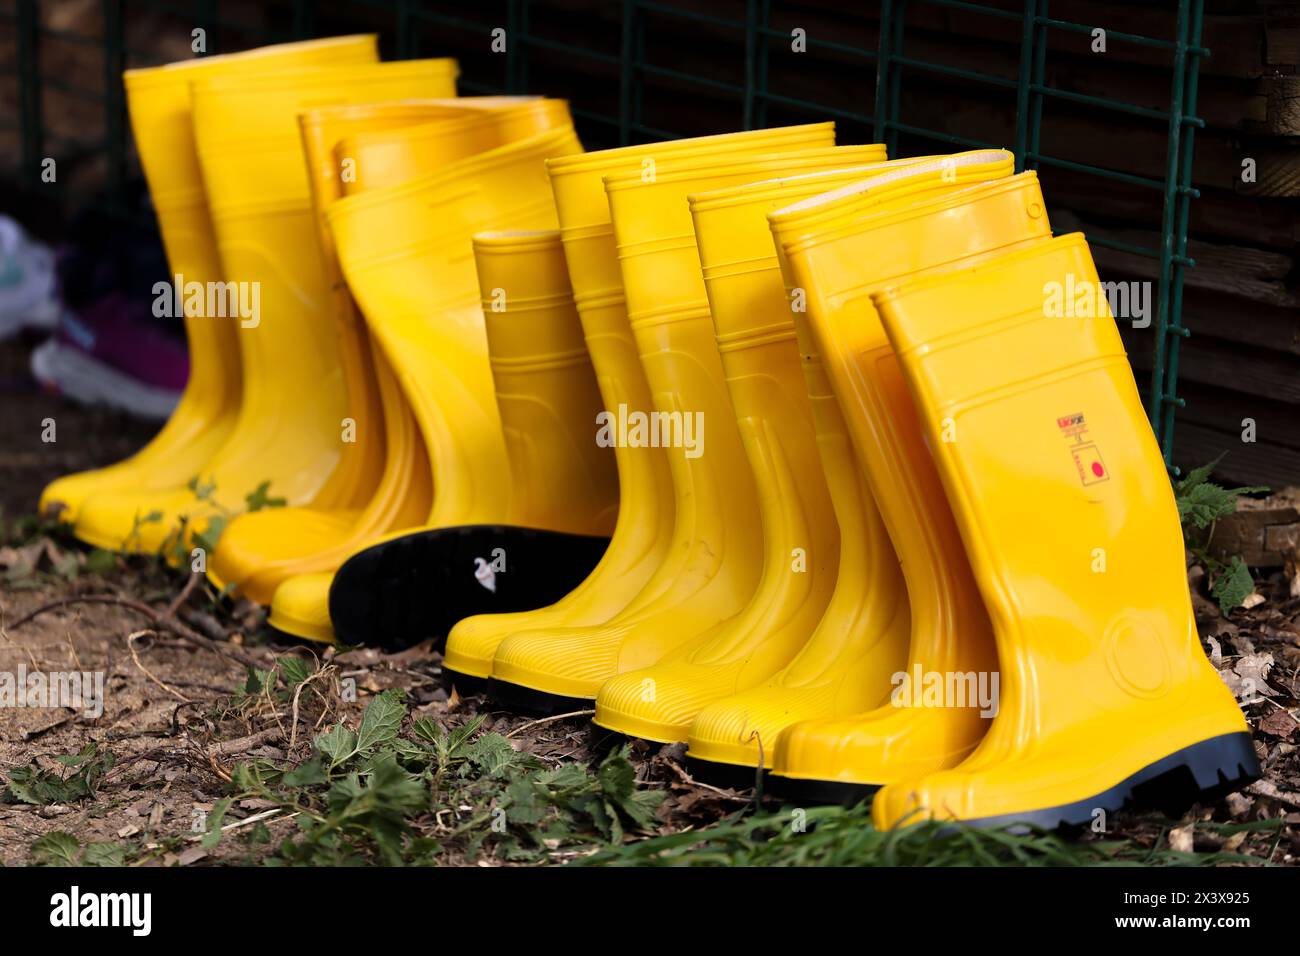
529, 701
403, 591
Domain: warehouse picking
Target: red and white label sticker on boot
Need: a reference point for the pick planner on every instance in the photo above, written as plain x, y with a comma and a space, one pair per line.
1089, 464
1087, 459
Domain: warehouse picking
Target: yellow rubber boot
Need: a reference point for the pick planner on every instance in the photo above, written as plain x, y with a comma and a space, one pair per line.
1106, 694
549, 401
715, 558
158, 100
644, 526
250, 150
839, 247
381, 158
407, 256
545, 386
846, 656
260, 550
755, 335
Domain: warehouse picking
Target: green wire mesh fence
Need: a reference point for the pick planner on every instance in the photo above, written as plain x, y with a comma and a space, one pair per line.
628, 80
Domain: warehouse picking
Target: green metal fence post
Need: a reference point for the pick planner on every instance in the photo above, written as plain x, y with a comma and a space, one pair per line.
114, 101
1180, 260
1038, 80
29, 89
898, 22
1023, 82
303, 11
763, 65
625, 75
1159, 384
405, 35
884, 66
751, 55
205, 16
514, 45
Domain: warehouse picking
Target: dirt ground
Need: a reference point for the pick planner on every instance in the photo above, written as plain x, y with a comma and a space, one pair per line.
86, 437
182, 721
177, 719
175, 725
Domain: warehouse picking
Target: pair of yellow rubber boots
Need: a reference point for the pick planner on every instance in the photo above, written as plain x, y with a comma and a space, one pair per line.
123, 506
519, 491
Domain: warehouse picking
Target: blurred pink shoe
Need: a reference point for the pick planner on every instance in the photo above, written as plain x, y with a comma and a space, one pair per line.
112, 353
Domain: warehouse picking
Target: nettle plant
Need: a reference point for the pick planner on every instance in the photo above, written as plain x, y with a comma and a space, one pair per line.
1201, 503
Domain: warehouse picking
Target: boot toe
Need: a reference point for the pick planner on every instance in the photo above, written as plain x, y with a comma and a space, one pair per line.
301, 608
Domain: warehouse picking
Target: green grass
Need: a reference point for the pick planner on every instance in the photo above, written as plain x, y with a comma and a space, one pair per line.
834, 836
399, 792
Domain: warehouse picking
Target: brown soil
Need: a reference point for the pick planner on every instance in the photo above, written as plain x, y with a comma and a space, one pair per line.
87, 437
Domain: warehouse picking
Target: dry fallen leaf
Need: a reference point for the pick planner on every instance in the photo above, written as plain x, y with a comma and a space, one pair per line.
1238, 804
191, 855
1230, 678
1180, 839
1216, 652
1252, 669
1279, 723
1266, 788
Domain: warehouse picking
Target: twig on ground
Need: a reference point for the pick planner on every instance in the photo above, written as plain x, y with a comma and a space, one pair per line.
130, 645
255, 818
546, 720
184, 596
293, 720
231, 748
72, 652
176, 711
83, 599
224, 691
691, 781
205, 624
154, 754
